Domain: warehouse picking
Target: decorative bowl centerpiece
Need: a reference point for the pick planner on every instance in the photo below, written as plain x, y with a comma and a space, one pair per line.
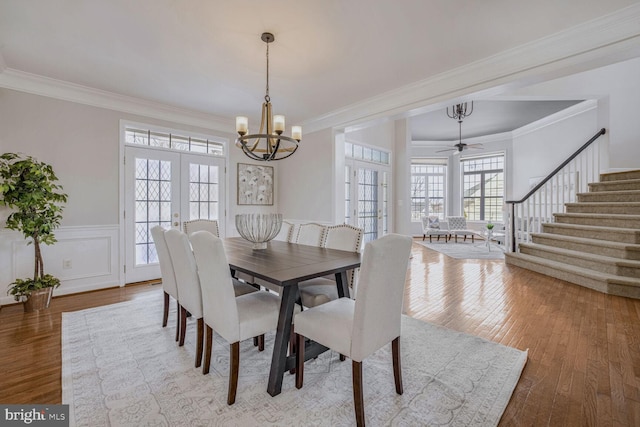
258, 228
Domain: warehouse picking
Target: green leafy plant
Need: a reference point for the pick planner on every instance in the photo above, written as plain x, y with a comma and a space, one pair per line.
490, 226
29, 187
22, 288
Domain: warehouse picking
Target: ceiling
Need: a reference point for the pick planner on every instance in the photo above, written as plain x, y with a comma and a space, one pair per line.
487, 118
206, 55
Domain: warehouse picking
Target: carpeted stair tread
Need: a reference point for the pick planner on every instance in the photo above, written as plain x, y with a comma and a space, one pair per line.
610, 196
616, 234
607, 220
594, 245
607, 283
625, 208
621, 175
622, 184
596, 261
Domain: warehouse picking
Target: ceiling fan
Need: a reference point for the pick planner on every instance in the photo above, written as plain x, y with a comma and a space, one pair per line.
459, 112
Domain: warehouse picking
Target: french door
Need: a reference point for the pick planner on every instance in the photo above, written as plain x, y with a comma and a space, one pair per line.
166, 188
367, 199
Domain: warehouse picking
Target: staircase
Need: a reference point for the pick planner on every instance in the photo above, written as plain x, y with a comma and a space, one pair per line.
596, 243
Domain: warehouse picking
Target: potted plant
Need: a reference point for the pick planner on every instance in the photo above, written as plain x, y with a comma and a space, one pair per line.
29, 187
489, 225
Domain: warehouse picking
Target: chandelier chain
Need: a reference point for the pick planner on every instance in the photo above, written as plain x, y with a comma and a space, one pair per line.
267, 98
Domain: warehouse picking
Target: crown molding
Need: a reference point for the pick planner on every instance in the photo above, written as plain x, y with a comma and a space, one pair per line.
565, 114
45, 86
614, 36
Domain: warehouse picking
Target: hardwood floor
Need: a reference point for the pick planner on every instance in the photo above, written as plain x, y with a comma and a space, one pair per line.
584, 346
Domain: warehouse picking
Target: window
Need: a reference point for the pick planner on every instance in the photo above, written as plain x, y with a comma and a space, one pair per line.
428, 188
173, 142
483, 188
368, 154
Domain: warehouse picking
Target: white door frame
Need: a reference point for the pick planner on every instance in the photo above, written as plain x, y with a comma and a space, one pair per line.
124, 124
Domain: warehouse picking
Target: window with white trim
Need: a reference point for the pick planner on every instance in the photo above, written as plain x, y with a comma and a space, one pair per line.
428, 188
483, 187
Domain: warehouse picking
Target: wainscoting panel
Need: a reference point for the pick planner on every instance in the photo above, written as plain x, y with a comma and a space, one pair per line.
84, 258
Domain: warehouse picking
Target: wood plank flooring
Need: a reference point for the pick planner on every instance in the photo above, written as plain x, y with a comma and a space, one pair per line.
584, 346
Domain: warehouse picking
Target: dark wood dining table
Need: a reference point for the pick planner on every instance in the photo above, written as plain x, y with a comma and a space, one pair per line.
285, 265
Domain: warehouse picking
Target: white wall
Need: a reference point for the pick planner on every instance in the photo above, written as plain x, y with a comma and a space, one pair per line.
617, 85
82, 143
538, 151
306, 180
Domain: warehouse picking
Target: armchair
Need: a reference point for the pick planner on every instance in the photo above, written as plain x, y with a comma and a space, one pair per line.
432, 226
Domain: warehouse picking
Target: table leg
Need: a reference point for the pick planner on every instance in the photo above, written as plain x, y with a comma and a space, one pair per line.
279, 358
343, 284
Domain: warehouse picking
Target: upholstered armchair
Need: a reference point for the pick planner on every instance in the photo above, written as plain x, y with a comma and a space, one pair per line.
432, 226
458, 227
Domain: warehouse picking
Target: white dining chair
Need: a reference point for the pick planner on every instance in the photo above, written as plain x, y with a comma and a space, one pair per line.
358, 328
210, 225
188, 286
233, 318
169, 285
184, 265
321, 290
286, 232
310, 234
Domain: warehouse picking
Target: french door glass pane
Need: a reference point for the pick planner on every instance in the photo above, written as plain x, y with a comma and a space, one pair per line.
153, 205
203, 191
368, 203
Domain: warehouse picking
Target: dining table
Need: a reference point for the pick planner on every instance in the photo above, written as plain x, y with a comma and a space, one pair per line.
285, 265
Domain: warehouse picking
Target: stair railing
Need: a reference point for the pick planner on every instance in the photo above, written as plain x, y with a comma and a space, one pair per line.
549, 196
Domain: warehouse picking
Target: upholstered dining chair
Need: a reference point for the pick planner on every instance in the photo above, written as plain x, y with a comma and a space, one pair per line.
169, 285
286, 232
359, 328
233, 318
210, 225
188, 286
458, 227
311, 234
320, 290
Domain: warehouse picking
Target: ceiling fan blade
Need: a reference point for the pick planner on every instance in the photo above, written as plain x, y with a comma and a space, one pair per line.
474, 145
448, 149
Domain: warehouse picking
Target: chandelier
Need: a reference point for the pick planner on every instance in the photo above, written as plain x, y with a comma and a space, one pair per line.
269, 143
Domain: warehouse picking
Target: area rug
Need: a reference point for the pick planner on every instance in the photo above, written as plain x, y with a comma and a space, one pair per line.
465, 250
121, 368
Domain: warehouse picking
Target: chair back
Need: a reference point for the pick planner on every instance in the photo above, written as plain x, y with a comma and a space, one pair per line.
378, 308
285, 233
166, 266
218, 296
210, 225
457, 223
184, 265
431, 222
343, 237
311, 234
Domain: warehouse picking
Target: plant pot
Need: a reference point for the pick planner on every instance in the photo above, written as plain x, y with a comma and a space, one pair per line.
38, 300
